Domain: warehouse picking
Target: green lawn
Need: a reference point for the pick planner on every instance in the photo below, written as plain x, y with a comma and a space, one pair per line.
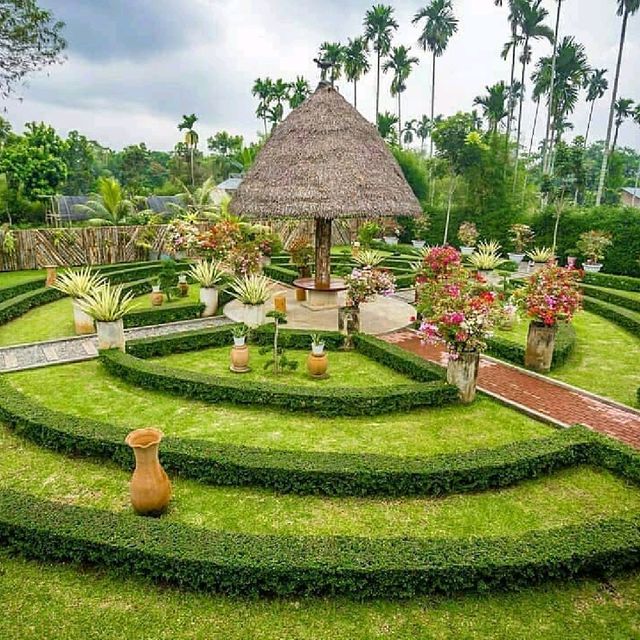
10, 278
85, 389
55, 320
605, 360
346, 369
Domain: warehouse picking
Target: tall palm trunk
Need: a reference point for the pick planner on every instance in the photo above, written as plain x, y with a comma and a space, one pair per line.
193, 177
533, 135
452, 188
433, 103
614, 97
378, 89
512, 78
615, 139
355, 95
546, 160
586, 135
399, 122
522, 81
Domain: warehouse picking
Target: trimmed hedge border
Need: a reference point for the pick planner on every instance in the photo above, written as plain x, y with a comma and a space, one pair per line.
160, 315
12, 291
19, 305
625, 318
245, 564
625, 283
608, 295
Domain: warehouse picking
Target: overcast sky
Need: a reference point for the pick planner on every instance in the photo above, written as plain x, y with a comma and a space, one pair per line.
135, 66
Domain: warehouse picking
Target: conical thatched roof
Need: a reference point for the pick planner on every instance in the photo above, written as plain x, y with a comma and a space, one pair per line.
325, 161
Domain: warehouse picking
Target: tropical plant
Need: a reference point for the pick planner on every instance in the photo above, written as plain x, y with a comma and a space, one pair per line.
623, 109
439, 26
368, 258
279, 93
401, 64
191, 139
78, 284
423, 130
356, 63
468, 234
301, 252
379, 25
333, 53
494, 105
596, 86
252, 289
486, 256
626, 9
7, 240
168, 278
208, 273
593, 245
522, 236
108, 205
299, 92
316, 340
386, 126
239, 330
262, 89
107, 303
541, 255
368, 232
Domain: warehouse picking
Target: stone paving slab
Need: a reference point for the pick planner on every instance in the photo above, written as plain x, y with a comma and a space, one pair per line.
550, 400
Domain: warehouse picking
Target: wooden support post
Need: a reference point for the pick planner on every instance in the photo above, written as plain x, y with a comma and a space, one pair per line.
323, 253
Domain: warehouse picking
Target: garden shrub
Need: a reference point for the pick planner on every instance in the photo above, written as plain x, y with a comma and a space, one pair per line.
625, 318
606, 295
160, 315
624, 283
281, 274
20, 304
15, 290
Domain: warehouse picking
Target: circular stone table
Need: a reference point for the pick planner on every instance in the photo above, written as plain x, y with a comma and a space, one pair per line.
320, 298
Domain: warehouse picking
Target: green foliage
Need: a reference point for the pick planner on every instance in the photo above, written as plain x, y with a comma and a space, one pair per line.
18, 305
168, 278
607, 295
81, 165
627, 319
162, 315
415, 171
622, 283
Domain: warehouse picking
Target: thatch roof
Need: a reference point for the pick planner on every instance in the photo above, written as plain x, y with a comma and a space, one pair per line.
325, 161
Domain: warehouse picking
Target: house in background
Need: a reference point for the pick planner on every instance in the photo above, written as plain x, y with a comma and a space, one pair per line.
630, 197
231, 184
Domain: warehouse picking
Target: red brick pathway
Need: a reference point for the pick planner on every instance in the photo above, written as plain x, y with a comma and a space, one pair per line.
537, 395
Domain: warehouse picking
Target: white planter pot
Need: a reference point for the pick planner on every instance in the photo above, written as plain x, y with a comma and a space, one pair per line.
110, 335
463, 373
254, 315
239, 342
467, 251
209, 298
591, 268
391, 240
83, 321
516, 257
317, 349
418, 244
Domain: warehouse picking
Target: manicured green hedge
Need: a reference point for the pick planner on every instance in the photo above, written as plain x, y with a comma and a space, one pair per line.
163, 315
297, 338
629, 320
608, 295
343, 401
15, 290
281, 273
625, 283
245, 564
325, 473
19, 305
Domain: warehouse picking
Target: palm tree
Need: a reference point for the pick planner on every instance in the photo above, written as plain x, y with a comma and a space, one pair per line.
333, 52
278, 94
108, 205
439, 26
299, 92
386, 123
409, 131
356, 63
636, 119
532, 17
596, 86
626, 8
624, 109
401, 63
379, 25
191, 139
552, 81
423, 130
262, 89
494, 105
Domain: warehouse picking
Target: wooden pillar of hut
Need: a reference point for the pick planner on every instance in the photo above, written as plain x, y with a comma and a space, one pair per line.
323, 253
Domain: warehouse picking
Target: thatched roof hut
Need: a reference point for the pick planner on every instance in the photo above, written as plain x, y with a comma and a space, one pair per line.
325, 161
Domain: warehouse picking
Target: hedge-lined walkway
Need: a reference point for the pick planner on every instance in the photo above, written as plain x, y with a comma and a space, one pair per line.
41, 354
542, 397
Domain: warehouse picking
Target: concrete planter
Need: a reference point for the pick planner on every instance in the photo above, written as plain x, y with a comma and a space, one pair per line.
317, 349
463, 373
592, 268
254, 315
541, 341
209, 298
418, 244
516, 257
467, 251
111, 335
391, 240
82, 321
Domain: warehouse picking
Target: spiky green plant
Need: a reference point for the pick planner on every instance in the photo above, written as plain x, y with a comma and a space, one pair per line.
486, 256
107, 303
540, 255
252, 289
368, 258
78, 283
208, 273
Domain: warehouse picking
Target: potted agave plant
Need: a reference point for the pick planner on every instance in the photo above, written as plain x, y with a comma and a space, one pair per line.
422, 227
208, 274
521, 236
540, 256
253, 291
593, 245
486, 257
78, 284
107, 305
317, 362
240, 350
468, 236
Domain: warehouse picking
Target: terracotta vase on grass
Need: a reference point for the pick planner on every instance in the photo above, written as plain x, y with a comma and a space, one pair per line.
150, 486
317, 365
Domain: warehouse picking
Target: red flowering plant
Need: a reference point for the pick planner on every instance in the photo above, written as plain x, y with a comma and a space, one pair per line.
244, 259
456, 307
366, 282
552, 294
220, 239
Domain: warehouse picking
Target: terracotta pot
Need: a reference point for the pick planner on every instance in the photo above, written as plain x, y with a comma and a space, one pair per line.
209, 298
317, 365
111, 335
463, 373
150, 486
240, 359
541, 341
82, 321
157, 297
301, 295
183, 286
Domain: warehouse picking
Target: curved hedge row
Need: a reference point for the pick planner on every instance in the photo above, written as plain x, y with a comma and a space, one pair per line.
625, 318
245, 564
23, 287
610, 296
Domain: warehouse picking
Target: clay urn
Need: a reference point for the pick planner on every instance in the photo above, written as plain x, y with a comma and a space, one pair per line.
240, 357
317, 365
150, 486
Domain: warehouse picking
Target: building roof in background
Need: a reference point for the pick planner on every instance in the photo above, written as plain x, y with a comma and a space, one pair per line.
65, 206
231, 183
632, 192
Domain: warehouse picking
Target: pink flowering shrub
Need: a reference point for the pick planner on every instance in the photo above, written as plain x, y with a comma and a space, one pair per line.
182, 235
551, 295
364, 283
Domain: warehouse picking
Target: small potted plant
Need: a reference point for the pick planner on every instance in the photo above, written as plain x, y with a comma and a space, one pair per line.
391, 231
468, 236
107, 305
253, 291
593, 245
77, 284
422, 226
486, 257
240, 350
521, 236
208, 274
157, 297
317, 362
183, 285
540, 256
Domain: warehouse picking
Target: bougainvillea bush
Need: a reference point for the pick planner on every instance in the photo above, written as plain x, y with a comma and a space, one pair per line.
220, 239
365, 283
439, 263
182, 235
551, 295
